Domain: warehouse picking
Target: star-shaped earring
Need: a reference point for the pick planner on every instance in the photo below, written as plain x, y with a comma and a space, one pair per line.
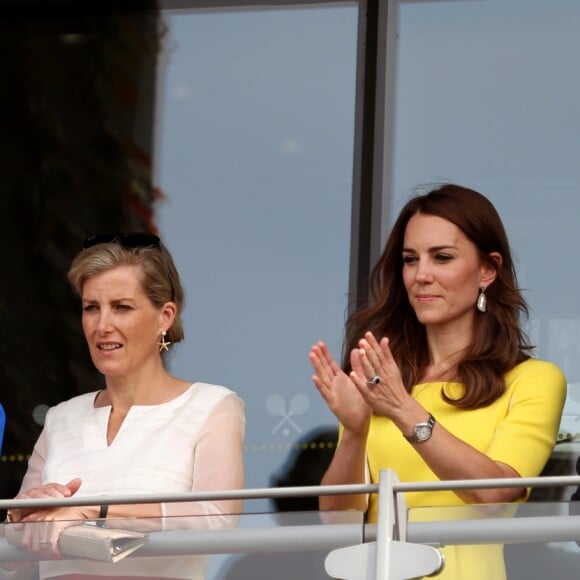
163, 346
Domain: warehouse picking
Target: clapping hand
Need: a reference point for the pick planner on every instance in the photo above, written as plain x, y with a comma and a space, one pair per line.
338, 390
376, 376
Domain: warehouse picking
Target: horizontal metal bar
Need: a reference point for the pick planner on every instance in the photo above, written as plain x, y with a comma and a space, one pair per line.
553, 481
244, 494
245, 540
299, 491
326, 537
521, 530
300, 538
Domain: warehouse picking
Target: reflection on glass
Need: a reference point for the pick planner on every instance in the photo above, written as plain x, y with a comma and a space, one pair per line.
255, 132
163, 545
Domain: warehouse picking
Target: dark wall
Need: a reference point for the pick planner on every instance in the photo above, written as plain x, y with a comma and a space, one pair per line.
77, 105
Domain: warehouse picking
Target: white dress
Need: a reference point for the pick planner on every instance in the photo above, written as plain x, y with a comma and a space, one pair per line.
191, 443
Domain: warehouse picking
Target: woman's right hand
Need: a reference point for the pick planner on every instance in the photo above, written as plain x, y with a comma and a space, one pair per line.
339, 392
55, 490
41, 528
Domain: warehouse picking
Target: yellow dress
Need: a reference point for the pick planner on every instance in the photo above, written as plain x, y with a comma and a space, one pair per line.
518, 429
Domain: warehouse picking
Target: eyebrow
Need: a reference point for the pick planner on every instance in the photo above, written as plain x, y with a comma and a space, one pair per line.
434, 248
115, 301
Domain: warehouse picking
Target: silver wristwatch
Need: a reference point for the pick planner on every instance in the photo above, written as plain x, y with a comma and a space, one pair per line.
422, 431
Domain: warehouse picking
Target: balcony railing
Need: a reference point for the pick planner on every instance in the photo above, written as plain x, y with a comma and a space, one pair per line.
402, 544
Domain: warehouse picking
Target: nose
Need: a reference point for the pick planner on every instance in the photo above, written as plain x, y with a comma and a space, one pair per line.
423, 273
104, 323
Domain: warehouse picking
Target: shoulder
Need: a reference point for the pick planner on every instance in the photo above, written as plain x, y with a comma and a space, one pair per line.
537, 376
78, 403
210, 396
72, 410
205, 406
534, 368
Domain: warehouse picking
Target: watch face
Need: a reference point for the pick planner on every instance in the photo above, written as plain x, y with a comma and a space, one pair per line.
423, 432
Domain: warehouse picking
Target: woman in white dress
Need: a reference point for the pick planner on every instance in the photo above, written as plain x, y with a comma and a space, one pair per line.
147, 431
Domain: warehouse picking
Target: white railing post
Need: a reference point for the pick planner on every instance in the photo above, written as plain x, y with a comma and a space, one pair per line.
396, 558
390, 557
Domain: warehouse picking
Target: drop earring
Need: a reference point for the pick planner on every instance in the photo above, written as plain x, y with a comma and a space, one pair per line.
164, 346
482, 300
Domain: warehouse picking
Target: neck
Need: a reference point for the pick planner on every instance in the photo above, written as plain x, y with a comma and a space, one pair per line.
445, 353
447, 345
140, 389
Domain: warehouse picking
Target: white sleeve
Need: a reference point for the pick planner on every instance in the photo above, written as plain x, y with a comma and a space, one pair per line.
218, 465
33, 476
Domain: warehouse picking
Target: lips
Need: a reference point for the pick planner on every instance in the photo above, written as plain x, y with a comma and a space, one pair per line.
425, 297
109, 346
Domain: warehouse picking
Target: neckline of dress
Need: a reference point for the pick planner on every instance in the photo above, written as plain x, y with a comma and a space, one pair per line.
144, 407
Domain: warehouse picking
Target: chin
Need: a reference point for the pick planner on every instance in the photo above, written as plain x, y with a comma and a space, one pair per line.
429, 319
106, 369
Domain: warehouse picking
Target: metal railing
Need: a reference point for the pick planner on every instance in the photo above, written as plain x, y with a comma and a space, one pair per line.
393, 549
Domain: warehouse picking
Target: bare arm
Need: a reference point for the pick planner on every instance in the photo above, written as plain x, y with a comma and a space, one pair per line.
348, 465
446, 455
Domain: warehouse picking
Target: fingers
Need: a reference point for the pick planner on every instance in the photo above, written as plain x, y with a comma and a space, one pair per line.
73, 485
322, 353
386, 350
48, 490
356, 363
373, 352
14, 515
324, 365
41, 537
360, 383
376, 356
366, 368
361, 373
371, 363
53, 490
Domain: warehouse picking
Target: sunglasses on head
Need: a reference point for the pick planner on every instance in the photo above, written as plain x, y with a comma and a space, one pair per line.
133, 240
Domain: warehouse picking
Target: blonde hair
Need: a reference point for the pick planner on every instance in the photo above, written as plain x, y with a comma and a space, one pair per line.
159, 277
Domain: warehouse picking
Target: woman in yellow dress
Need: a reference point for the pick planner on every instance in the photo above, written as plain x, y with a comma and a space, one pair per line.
437, 380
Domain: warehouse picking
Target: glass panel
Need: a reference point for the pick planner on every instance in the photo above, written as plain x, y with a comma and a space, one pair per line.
555, 559
153, 548
487, 96
254, 137
255, 150
544, 546
294, 545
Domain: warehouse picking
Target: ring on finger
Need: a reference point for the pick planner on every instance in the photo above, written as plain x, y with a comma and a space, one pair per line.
374, 381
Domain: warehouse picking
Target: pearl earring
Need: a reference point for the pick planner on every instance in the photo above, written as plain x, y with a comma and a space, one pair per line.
163, 346
482, 300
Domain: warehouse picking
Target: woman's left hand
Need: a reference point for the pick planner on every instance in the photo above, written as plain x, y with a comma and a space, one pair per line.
374, 360
42, 528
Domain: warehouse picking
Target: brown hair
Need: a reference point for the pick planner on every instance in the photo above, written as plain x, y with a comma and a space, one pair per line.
499, 342
159, 277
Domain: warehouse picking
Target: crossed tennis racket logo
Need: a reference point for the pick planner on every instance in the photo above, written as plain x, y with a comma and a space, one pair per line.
278, 406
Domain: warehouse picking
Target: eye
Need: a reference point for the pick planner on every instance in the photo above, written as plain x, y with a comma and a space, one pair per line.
123, 307
89, 308
409, 259
441, 257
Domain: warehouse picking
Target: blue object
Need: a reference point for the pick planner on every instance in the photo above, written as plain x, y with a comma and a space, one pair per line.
2, 423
